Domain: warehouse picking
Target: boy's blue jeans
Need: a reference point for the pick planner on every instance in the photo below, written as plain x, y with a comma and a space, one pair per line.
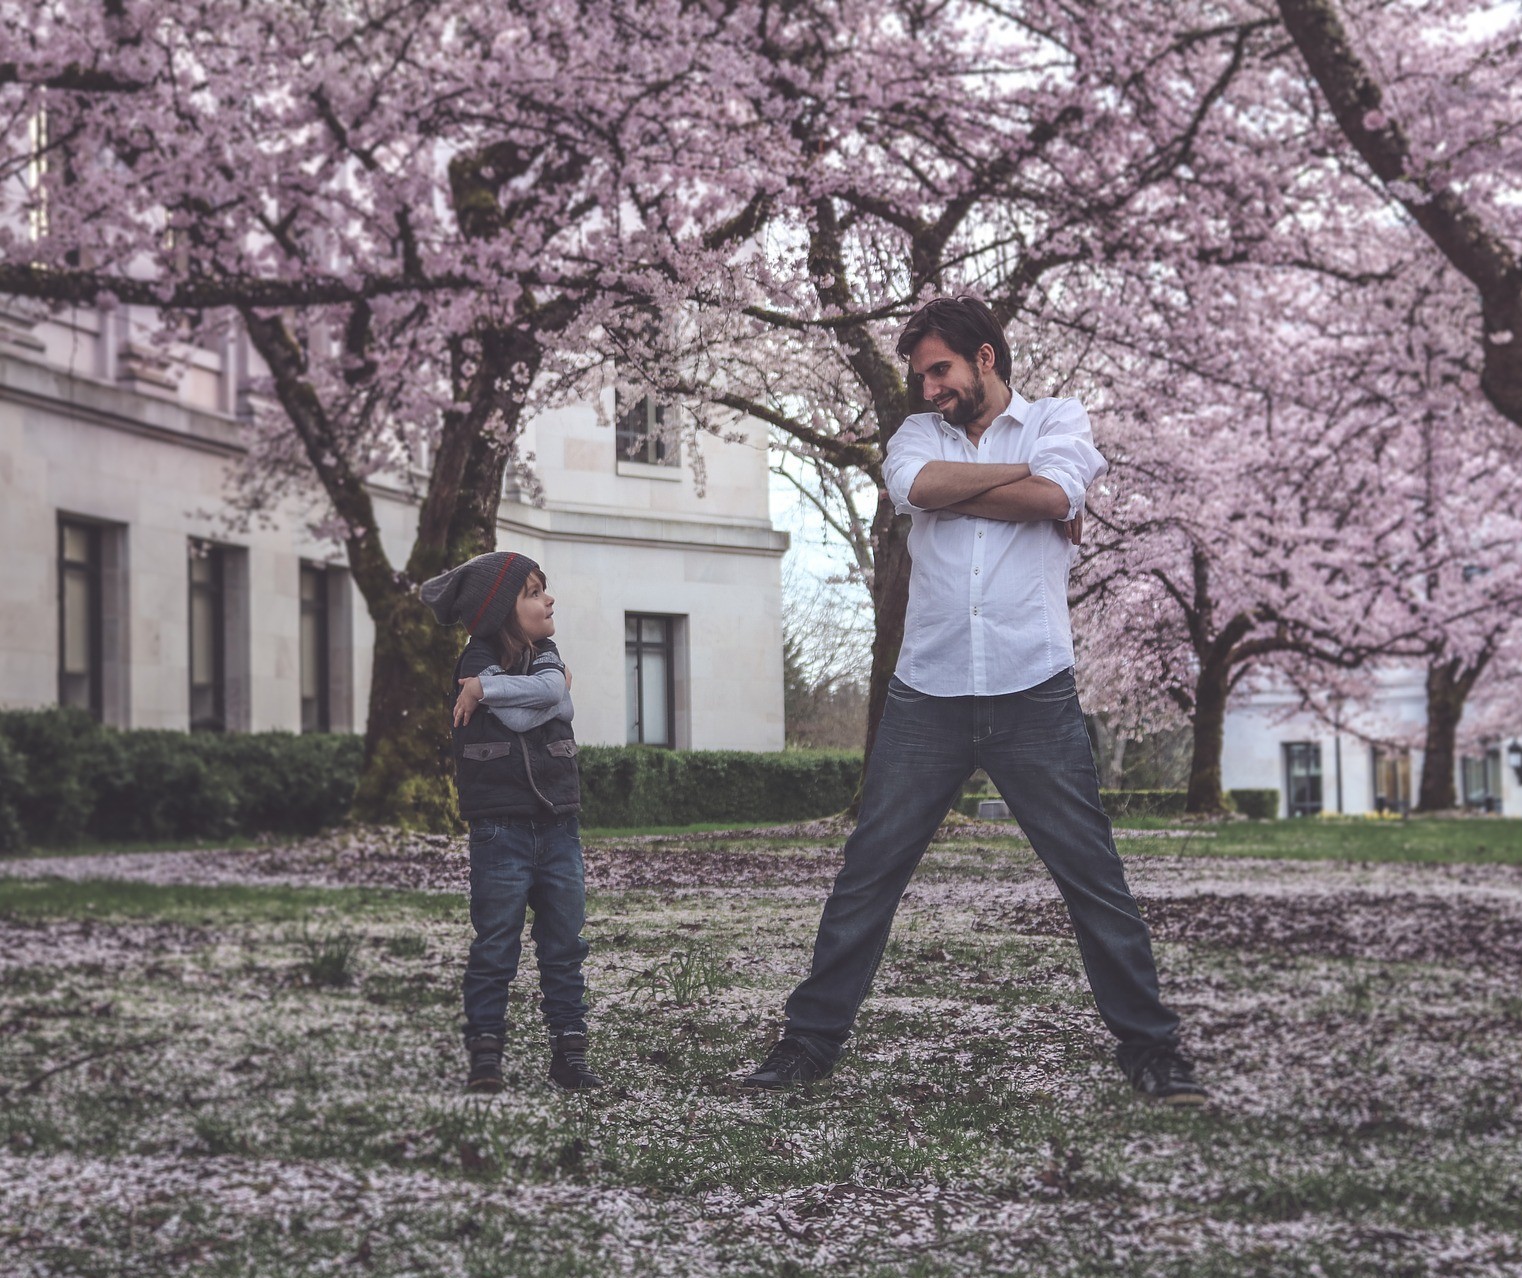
1035, 749
518, 865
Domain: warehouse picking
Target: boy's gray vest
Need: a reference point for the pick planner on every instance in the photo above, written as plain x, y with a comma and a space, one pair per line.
506, 775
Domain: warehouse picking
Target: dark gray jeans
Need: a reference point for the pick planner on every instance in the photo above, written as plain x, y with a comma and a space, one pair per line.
516, 866
1034, 747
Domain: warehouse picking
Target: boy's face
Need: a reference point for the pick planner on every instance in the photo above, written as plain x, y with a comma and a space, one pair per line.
536, 610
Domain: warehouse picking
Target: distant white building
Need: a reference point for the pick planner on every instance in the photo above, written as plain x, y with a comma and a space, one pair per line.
122, 592
1318, 768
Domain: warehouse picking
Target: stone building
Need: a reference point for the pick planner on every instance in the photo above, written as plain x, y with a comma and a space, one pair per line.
122, 591
1333, 767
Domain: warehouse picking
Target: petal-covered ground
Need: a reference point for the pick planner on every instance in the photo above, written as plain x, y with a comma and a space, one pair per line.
247, 1062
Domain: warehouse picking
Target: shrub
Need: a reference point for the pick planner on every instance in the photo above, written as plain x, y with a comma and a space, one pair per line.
12, 784
64, 778
639, 785
287, 783
176, 790
67, 757
73, 779
1261, 805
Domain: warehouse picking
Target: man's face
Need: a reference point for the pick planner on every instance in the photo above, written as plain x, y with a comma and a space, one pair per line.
955, 386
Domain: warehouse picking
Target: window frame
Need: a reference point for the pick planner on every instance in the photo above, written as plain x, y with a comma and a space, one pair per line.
1398, 762
216, 591
1486, 768
318, 608
92, 570
637, 427
1312, 753
638, 646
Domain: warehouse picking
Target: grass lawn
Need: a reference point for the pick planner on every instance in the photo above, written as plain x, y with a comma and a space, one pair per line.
247, 1063
1476, 839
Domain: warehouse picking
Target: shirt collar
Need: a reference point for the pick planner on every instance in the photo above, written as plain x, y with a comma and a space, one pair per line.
1017, 412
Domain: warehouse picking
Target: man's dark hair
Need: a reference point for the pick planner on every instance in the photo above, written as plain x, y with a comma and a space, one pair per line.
965, 324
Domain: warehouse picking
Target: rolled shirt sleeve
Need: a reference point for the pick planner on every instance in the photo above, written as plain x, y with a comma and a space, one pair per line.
913, 444
1065, 453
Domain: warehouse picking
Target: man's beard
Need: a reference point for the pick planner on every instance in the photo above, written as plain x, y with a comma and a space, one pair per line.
967, 408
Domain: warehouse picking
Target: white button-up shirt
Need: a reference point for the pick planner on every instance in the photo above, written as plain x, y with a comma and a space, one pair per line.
988, 603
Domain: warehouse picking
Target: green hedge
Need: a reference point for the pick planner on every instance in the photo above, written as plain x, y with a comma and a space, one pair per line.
638, 785
65, 779
1261, 805
12, 786
1118, 803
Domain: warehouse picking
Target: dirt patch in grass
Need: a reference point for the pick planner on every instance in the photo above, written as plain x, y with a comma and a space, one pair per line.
100, 945
616, 867
1387, 927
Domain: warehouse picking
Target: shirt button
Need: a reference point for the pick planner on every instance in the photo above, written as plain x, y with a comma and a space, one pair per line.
980, 532
975, 572
974, 612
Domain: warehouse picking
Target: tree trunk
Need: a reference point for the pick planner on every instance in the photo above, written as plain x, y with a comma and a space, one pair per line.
890, 602
1110, 752
1447, 690
408, 776
1210, 690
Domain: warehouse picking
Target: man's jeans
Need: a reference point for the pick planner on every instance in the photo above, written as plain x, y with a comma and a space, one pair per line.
513, 865
1035, 749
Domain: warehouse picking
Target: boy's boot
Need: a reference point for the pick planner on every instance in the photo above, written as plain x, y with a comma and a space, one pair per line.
568, 1062
485, 1064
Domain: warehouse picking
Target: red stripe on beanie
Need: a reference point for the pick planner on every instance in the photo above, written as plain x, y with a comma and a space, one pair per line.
491, 594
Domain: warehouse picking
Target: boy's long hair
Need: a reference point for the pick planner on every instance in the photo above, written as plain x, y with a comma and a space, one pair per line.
513, 646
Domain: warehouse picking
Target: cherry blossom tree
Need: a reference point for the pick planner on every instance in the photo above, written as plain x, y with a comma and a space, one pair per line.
946, 148
415, 211
1339, 499
426, 215
1436, 120
1209, 253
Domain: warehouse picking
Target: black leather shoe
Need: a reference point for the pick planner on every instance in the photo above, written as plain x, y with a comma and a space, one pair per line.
485, 1064
568, 1062
787, 1065
1164, 1075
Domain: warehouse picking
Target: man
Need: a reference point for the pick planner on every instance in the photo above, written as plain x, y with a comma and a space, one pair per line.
995, 485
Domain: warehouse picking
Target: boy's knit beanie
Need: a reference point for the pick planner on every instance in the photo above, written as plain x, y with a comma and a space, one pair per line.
481, 593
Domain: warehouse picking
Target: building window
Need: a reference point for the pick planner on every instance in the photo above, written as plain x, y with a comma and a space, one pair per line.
1392, 780
1302, 778
80, 621
1481, 779
316, 698
208, 638
650, 678
638, 434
